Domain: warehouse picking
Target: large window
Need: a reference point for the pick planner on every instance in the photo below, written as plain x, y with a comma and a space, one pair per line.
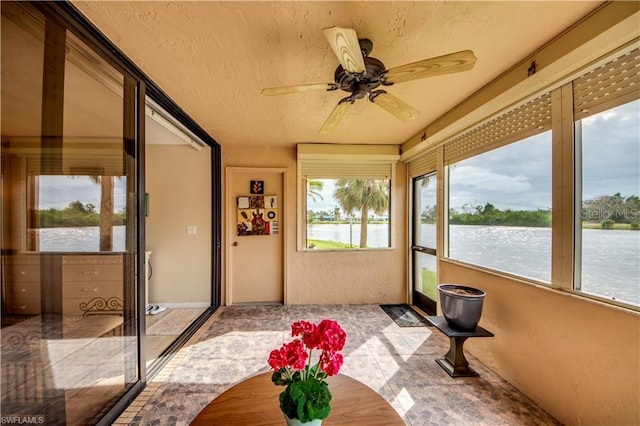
500, 188
347, 197
348, 213
500, 208
609, 164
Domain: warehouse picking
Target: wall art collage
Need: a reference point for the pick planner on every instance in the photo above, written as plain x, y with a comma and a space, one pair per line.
257, 214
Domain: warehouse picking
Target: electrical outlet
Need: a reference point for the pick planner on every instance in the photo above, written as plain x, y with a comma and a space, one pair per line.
191, 230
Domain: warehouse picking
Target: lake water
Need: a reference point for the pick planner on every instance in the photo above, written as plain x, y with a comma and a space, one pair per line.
611, 258
84, 239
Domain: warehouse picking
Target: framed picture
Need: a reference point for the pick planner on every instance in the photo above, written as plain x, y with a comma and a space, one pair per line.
257, 187
243, 202
271, 202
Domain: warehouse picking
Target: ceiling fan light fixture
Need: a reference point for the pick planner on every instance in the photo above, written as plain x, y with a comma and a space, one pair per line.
360, 74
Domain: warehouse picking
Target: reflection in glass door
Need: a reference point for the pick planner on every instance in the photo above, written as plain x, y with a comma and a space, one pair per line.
69, 341
423, 247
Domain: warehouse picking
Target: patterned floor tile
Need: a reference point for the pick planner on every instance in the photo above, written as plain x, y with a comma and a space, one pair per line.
397, 362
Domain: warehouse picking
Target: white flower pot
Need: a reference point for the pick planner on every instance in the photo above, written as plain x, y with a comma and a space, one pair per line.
297, 422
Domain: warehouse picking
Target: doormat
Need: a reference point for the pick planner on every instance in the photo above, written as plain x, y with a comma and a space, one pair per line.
405, 316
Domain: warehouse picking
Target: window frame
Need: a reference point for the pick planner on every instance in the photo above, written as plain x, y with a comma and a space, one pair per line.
578, 171
446, 213
566, 175
328, 161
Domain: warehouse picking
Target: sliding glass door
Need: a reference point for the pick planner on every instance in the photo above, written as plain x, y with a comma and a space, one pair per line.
76, 334
423, 246
69, 233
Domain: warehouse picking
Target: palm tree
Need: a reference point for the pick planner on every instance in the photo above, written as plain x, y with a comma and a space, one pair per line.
365, 195
106, 211
314, 186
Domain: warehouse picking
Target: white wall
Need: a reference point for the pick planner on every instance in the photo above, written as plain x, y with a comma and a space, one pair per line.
178, 181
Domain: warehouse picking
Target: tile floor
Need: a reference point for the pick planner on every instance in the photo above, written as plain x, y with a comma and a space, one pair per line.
397, 362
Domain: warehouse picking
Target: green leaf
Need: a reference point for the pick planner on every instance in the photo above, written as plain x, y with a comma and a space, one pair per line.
306, 400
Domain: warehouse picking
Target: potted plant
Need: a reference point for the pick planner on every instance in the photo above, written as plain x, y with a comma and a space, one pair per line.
306, 399
461, 305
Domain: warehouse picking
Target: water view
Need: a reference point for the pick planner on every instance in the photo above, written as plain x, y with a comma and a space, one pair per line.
78, 239
610, 258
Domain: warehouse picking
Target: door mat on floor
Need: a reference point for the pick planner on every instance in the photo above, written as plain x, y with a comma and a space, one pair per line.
405, 316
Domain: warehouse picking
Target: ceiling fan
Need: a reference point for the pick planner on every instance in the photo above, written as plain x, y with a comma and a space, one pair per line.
361, 75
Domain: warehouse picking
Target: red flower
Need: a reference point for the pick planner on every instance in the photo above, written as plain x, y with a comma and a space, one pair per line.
276, 360
294, 354
300, 328
308, 332
333, 337
330, 362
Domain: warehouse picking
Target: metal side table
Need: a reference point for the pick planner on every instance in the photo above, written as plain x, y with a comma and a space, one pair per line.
454, 361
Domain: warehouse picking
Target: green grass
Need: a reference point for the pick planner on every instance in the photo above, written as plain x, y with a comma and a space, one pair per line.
596, 225
327, 245
429, 284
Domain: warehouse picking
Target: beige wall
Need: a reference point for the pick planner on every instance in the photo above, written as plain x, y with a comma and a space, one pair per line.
178, 181
330, 277
578, 359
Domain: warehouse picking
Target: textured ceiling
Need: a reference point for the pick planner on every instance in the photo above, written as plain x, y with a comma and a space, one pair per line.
213, 58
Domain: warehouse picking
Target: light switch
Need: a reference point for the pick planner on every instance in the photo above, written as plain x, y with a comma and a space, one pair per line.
191, 230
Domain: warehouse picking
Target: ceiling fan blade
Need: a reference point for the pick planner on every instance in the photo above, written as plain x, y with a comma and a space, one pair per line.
284, 90
335, 117
395, 106
453, 62
344, 42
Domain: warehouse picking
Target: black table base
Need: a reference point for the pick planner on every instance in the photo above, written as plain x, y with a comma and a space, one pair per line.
454, 361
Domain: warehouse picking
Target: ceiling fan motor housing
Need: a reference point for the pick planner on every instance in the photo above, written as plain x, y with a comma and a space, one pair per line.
361, 84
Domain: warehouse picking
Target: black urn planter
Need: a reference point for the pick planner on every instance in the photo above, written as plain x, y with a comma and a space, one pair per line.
461, 305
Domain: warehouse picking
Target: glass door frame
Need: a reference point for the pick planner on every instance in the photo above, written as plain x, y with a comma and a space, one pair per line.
418, 298
140, 86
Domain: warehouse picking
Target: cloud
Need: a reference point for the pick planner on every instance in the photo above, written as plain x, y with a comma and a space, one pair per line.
59, 191
327, 202
611, 152
480, 179
516, 176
